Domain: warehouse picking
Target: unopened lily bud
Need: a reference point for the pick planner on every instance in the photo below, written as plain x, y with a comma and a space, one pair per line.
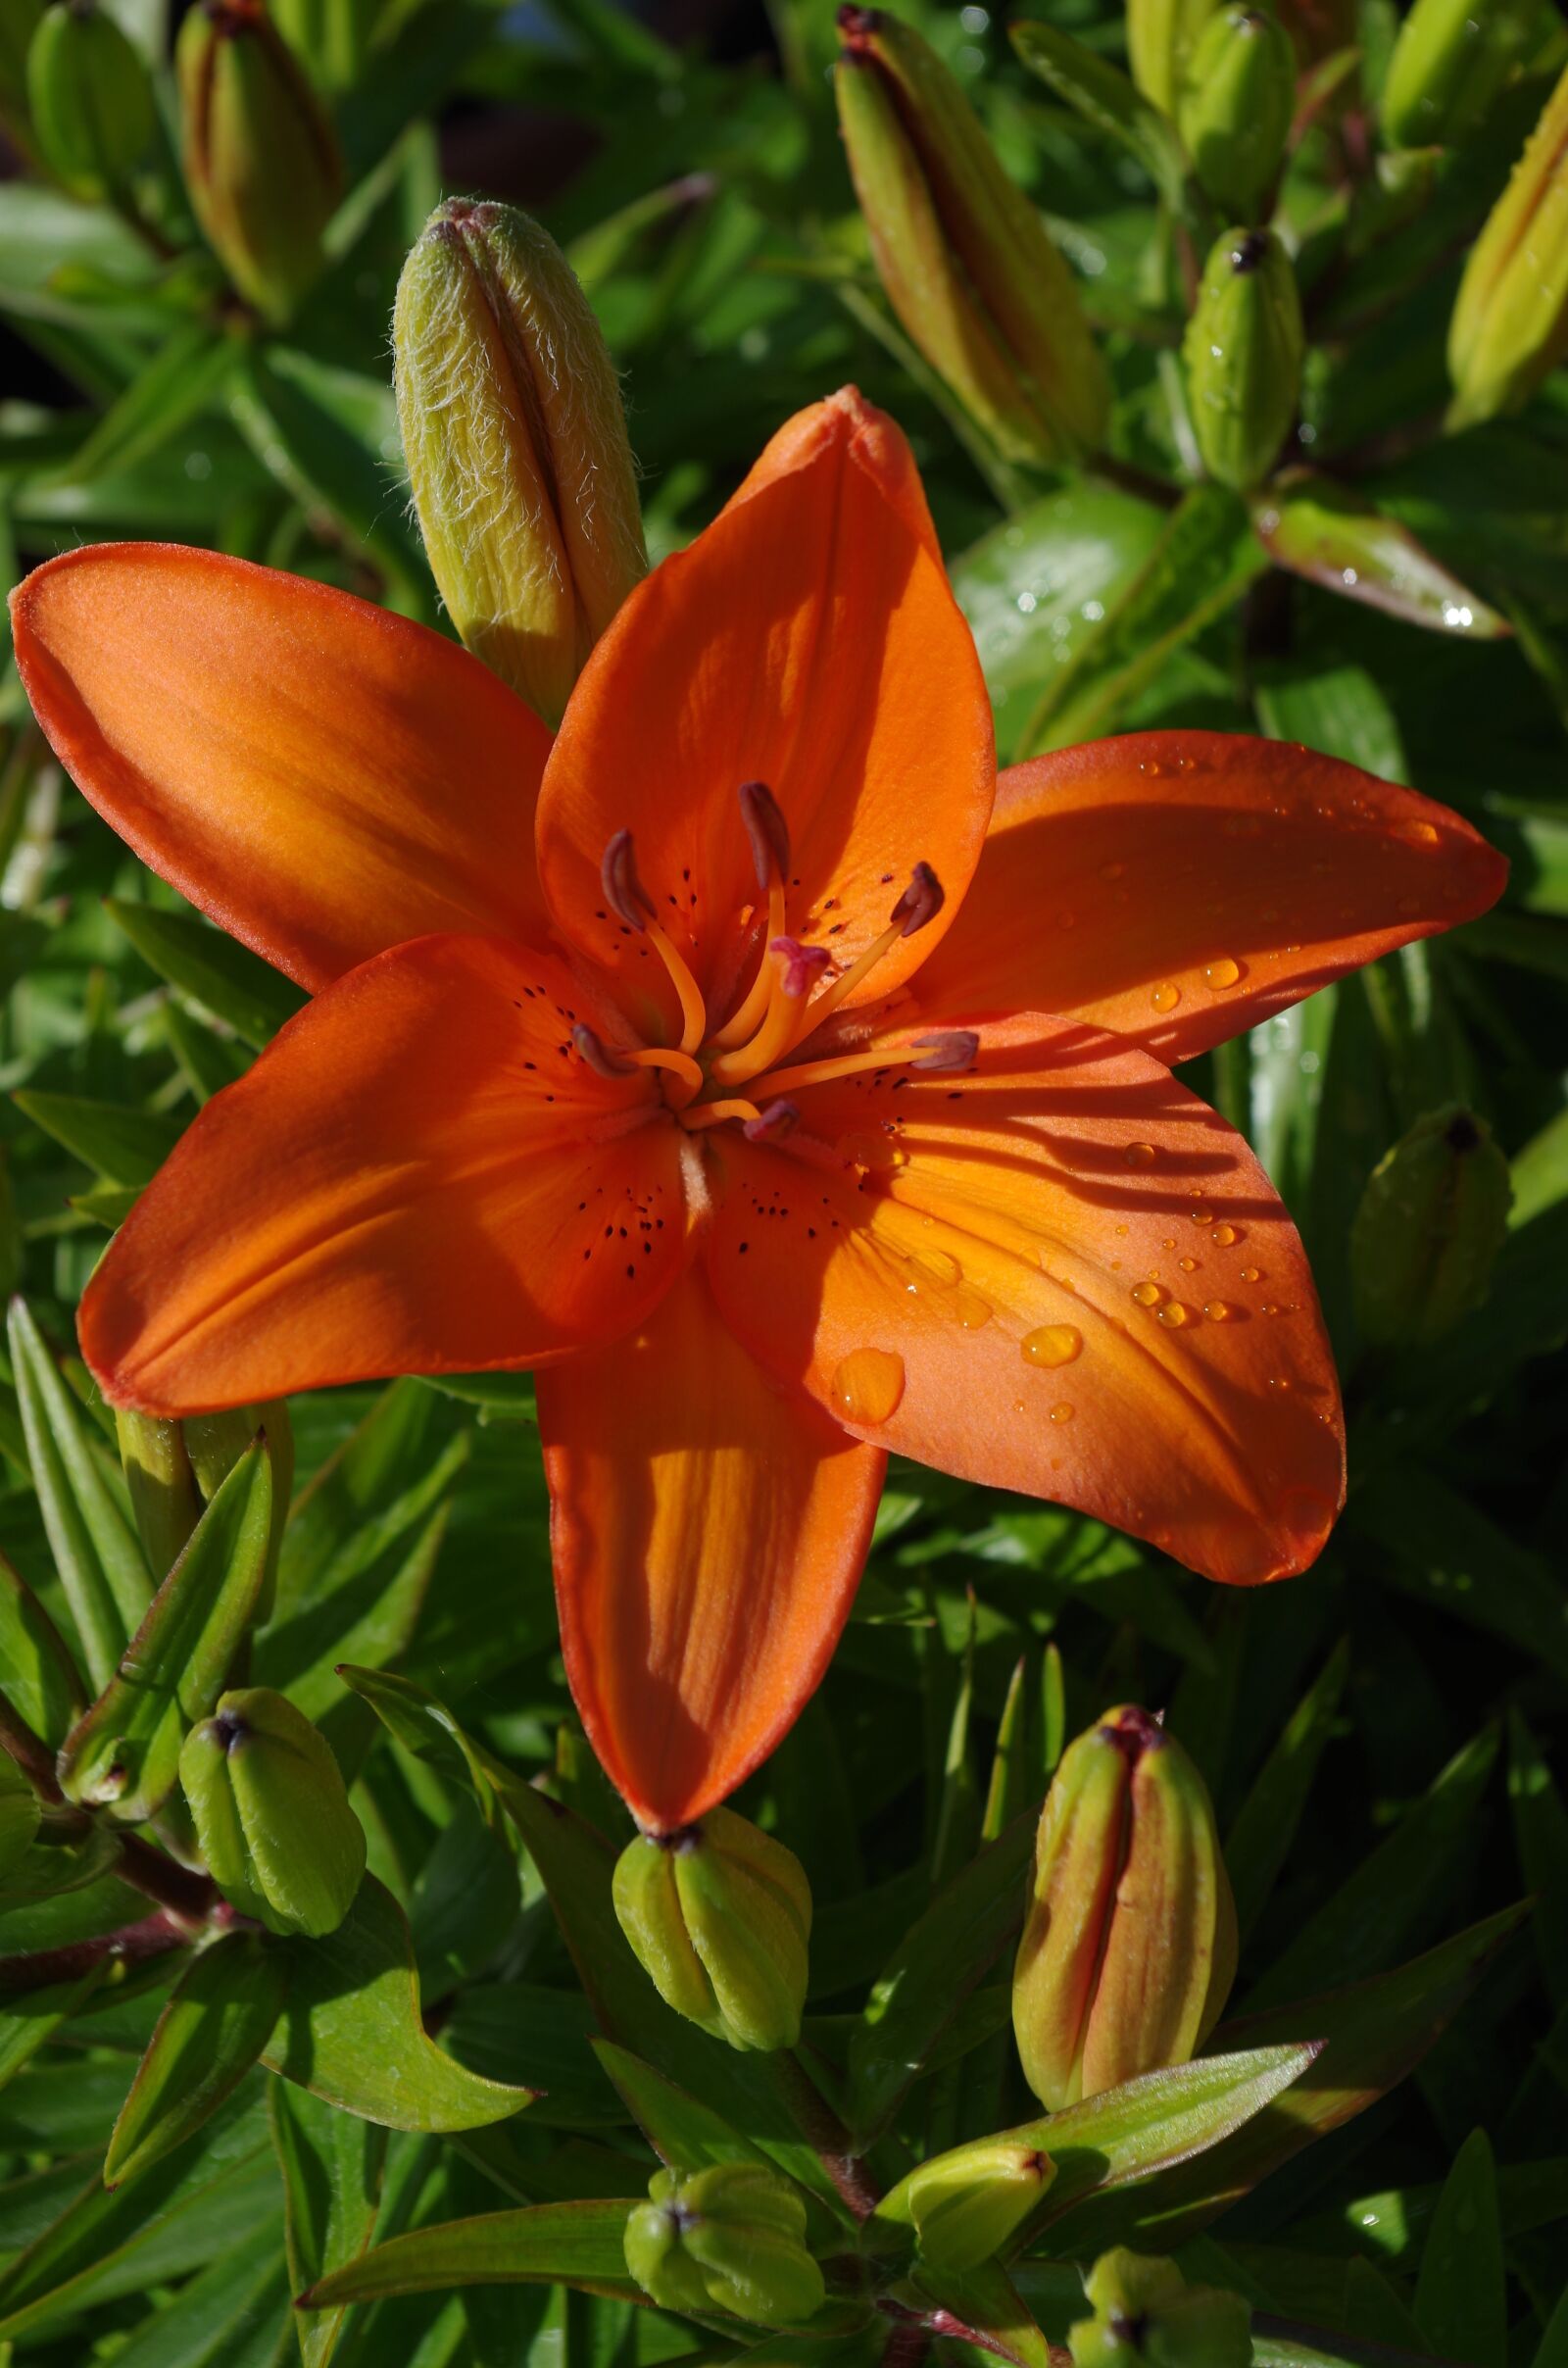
1236, 107
1510, 320
515, 442
1449, 63
966, 261
173, 1469
1129, 1944
90, 99
1431, 1223
273, 1816
262, 163
1161, 37
719, 1916
963, 2206
1146, 2315
1243, 353
728, 2238
332, 38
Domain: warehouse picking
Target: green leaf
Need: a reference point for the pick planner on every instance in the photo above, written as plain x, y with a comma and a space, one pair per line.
125, 1147
187, 371
580, 2245
932, 1972
684, 2133
1319, 530
124, 1757
1440, 1547
1541, 1834
1279, 2344
37, 1676
224, 977
1461, 2295
212, 2030
1110, 100
986, 2301
332, 2167
26, 2022
100, 1560
351, 2033
1259, 1841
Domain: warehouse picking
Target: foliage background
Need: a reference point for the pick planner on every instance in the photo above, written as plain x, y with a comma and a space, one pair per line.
1375, 1734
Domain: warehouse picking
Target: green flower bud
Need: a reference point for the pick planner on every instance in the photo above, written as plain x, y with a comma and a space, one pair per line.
1243, 354
964, 257
1510, 320
271, 1814
262, 163
729, 2238
719, 1916
963, 2206
1237, 103
1161, 37
90, 98
1449, 63
1129, 1945
1431, 1223
332, 38
515, 442
175, 1469
1147, 2316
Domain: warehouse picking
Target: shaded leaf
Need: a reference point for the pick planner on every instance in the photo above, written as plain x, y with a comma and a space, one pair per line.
208, 2037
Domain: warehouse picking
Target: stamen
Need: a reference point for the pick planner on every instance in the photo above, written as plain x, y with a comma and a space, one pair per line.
597, 1054
921, 900
714, 1114
778, 1119
679, 1064
768, 831
793, 966
630, 901
920, 903
950, 1049
954, 1048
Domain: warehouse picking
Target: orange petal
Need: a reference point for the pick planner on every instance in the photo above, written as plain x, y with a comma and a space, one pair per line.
324, 778
420, 1175
707, 1531
1178, 887
1060, 1273
807, 639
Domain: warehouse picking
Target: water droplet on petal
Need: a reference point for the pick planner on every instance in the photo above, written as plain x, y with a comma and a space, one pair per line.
1062, 1412
1222, 973
1187, 1266
1225, 1235
971, 1311
939, 1267
1251, 1274
1423, 833
1148, 1295
1165, 998
867, 1385
1053, 1344
1218, 1310
1203, 1216
1138, 1154
1175, 1315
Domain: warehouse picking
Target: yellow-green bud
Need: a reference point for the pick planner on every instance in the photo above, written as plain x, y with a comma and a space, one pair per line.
1147, 2316
515, 442
173, 1469
90, 99
1161, 37
262, 163
966, 261
1510, 320
1451, 61
1129, 1944
963, 2206
273, 1816
729, 2238
720, 1915
1237, 101
1243, 353
332, 37
1431, 1223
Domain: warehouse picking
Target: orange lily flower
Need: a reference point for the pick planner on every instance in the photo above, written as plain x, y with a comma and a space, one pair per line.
733, 1064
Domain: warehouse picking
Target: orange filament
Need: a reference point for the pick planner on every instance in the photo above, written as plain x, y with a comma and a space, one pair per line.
680, 1065
944, 1055
748, 1017
714, 1114
693, 1009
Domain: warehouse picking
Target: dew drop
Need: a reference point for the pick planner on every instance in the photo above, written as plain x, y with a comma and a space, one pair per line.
1062, 1412
1218, 1310
1225, 1235
1175, 1315
1170, 1242
1138, 1154
939, 1267
868, 1384
1251, 1274
1053, 1344
1187, 1266
1165, 998
1222, 973
1203, 1216
1147, 1295
971, 1311
1423, 833
1269, 1308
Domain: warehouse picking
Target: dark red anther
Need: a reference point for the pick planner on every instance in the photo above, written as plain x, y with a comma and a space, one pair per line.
921, 900
857, 26
951, 1049
777, 1119
804, 966
768, 831
596, 1056
625, 892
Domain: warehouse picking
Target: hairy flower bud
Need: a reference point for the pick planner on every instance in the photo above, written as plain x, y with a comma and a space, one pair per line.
1429, 1225
273, 1816
965, 2206
90, 99
1129, 1944
261, 165
1510, 319
1449, 63
515, 442
719, 1916
728, 2238
1147, 2316
1236, 105
175, 1469
1161, 37
1243, 353
966, 261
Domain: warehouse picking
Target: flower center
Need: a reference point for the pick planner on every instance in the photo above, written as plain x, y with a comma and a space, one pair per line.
794, 990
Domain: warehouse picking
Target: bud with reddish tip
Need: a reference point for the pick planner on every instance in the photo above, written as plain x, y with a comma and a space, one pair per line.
965, 2206
1129, 1944
1243, 354
1431, 1221
1146, 2315
1509, 325
515, 443
272, 1813
728, 2238
719, 1916
262, 163
964, 257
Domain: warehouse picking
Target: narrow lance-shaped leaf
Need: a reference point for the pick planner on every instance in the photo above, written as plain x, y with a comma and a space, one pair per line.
332, 2167
37, 1675
212, 2031
1461, 2295
124, 1755
986, 2301
1317, 528
1259, 1842
235, 985
125, 1147
580, 2245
